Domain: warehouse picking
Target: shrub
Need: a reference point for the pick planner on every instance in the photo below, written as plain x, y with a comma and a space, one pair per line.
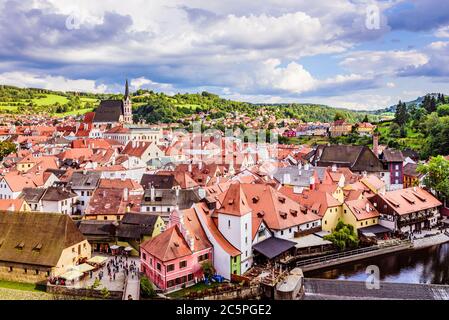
146, 288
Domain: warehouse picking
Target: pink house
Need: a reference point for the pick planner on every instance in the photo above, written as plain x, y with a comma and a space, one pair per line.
174, 258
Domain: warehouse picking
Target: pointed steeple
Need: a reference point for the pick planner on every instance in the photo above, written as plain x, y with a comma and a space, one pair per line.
126, 89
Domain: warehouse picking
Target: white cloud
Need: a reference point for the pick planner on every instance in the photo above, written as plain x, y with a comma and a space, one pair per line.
26, 79
442, 32
383, 62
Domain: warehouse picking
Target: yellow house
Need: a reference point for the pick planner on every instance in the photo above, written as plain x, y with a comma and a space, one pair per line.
360, 213
330, 218
35, 246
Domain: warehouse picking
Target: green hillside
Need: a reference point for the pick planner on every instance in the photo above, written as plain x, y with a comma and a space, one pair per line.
159, 107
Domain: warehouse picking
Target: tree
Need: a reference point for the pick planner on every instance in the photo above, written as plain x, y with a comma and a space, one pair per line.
344, 236
366, 118
208, 268
6, 148
146, 288
401, 115
436, 178
443, 110
339, 116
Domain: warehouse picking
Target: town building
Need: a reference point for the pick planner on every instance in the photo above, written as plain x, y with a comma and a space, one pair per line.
36, 246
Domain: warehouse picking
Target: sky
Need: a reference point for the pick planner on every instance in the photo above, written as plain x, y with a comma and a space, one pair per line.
356, 54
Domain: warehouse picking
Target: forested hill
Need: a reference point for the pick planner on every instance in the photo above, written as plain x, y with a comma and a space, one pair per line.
159, 107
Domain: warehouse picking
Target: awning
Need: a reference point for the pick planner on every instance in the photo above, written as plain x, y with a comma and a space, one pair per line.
83, 268
375, 229
114, 247
97, 260
272, 247
72, 275
128, 249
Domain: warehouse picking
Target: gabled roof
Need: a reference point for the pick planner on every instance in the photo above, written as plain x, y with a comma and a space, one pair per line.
235, 202
202, 210
168, 245
32, 195
392, 155
157, 181
359, 209
42, 236
409, 200
109, 111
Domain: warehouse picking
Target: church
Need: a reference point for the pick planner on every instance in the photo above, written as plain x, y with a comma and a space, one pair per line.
114, 112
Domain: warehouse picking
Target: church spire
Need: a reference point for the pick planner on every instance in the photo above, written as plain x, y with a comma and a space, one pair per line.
126, 89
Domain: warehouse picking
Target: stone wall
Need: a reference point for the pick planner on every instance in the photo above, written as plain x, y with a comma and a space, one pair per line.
18, 274
81, 292
254, 292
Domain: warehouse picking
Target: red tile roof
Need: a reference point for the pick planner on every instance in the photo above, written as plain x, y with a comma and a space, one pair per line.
167, 246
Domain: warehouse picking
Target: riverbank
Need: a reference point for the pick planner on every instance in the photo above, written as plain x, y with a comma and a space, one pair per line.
428, 265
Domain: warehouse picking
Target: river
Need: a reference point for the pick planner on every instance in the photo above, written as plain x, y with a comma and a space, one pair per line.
428, 265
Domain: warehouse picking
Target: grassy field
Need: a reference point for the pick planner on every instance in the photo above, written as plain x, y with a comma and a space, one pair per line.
22, 291
51, 99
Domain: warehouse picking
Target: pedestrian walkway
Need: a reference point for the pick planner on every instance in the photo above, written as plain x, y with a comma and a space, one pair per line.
132, 288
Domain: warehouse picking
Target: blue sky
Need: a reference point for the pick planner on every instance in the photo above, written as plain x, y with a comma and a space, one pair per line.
260, 51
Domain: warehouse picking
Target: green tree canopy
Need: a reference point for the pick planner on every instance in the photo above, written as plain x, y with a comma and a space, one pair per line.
344, 236
436, 175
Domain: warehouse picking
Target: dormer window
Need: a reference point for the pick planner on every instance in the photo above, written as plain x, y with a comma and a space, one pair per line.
256, 199
281, 199
20, 245
37, 247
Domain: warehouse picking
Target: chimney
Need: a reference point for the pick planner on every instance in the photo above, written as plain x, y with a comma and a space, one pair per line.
133, 143
367, 208
334, 168
200, 165
312, 183
192, 243
306, 167
177, 192
125, 194
152, 193
190, 167
376, 145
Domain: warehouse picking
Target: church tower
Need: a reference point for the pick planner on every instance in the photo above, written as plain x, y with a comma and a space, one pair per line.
127, 108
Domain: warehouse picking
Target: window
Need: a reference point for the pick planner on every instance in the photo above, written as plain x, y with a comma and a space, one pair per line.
82, 193
144, 256
11, 269
246, 240
170, 267
25, 270
325, 221
345, 210
37, 272
282, 232
246, 226
190, 277
154, 208
203, 257
168, 209
158, 266
183, 264
229, 224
